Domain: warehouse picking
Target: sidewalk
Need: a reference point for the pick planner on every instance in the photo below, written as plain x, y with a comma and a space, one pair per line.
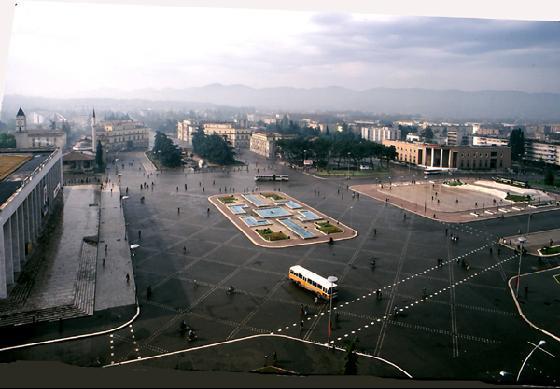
111, 288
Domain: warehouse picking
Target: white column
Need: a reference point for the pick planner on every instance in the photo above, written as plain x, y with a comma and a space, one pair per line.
3, 283
432, 153
441, 158
9, 266
15, 242
21, 236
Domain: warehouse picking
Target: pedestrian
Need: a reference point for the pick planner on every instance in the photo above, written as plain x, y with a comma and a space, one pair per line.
302, 311
316, 300
185, 250
105, 249
424, 294
446, 232
301, 324
177, 189
178, 210
374, 231
526, 291
103, 262
139, 234
127, 278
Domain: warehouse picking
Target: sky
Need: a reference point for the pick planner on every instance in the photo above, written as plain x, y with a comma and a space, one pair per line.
68, 50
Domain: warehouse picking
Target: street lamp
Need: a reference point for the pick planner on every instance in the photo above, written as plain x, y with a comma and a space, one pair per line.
521, 241
528, 356
331, 280
348, 164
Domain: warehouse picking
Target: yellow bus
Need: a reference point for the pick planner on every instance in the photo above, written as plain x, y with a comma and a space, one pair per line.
313, 282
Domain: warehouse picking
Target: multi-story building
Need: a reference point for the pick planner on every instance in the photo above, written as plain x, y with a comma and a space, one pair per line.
379, 134
453, 157
119, 135
30, 188
542, 151
459, 137
238, 138
264, 143
27, 139
185, 131
489, 141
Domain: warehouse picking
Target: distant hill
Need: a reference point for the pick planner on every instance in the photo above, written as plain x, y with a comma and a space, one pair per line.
431, 103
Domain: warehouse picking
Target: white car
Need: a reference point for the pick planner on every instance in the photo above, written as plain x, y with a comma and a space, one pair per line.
365, 167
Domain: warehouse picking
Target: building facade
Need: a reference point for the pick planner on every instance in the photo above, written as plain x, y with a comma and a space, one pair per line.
29, 191
238, 138
379, 134
120, 135
453, 157
82, 162
264, 144
489, 141
542, 151
34, 139
185, 131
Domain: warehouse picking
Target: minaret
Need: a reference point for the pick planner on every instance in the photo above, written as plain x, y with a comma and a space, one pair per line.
21, 121
93, 138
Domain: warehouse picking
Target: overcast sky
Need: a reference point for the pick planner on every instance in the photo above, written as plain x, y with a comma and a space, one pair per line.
64, 49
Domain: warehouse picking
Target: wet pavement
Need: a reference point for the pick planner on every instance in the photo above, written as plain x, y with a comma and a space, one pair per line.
457, 321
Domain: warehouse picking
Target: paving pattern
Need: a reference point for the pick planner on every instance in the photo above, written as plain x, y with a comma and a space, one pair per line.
455, 318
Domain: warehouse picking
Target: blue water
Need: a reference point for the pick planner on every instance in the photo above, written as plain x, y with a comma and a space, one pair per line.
251, 221
309, 216
296, 228
272, 212
256, 200
237, 209
293, 205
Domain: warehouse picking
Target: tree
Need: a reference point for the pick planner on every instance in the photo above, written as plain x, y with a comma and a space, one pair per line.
428, 134
166, 151
549, 177
214, 148
517, 144
351, 358
99, 162
7, 141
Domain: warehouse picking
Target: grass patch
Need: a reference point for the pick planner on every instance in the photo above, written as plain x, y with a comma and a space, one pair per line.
327, 228
453, 183
517, 198
272, 236
227, 199
273, 196
547, 250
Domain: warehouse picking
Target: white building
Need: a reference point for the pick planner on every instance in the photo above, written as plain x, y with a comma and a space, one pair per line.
489, 141
379, 134
238, 138
30, 188
185, 131
541, 151
33, 139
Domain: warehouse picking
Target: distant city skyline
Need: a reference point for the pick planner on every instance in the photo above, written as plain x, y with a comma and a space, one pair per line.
68, 50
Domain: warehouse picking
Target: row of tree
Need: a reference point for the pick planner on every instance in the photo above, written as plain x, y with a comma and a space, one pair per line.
213, 148
335, 149
165, 151
7, 141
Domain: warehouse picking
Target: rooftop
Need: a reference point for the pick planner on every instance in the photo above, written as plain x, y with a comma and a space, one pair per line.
15, 167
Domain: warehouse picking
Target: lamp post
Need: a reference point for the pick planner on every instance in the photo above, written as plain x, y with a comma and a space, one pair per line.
304, 158
521, 241
331, 280
528, 356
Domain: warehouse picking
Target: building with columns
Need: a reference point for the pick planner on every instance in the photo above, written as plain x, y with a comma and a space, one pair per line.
452, 157
264, 143
30, 189
238, 138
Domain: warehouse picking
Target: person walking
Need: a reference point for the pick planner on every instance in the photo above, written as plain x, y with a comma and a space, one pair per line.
127, 278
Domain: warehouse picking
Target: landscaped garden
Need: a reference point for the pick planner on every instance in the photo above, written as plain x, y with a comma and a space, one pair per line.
550, 250
228, 199
453, 183
327, 228
518, 198
272, 236
273, 196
